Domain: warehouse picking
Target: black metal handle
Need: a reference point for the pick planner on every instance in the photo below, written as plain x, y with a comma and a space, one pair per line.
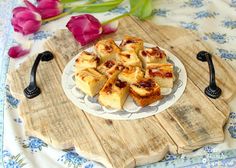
33, 90
212, 91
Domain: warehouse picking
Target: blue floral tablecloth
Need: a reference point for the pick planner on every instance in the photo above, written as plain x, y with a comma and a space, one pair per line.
214, 20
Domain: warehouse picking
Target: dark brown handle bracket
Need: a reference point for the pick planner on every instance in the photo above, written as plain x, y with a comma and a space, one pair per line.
33, 90
212, 91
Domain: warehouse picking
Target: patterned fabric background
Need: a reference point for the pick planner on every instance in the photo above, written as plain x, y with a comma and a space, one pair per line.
214, 20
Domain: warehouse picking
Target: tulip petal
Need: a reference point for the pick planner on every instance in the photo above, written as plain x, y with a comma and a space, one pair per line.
49, 13
25, 15
17, 51
19, 9
85, 39
49, 8
110, 28
31, 6
31, 26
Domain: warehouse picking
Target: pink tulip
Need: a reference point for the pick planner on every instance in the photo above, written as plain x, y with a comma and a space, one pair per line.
86, 28
17, 51
25, 20
49, 8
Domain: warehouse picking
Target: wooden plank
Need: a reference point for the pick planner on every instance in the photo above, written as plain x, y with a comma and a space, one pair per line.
50, 116
192, 123
147, 140
186, 44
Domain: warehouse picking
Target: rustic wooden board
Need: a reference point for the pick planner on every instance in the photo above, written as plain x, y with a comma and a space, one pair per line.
192, 122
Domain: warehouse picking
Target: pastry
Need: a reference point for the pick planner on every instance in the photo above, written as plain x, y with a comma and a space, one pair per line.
86, 60
152, 55
113, 72
163, 74
131, 43
145, 91
106, 49
129, 58
90, 81
109, 68
131, 74
114, 93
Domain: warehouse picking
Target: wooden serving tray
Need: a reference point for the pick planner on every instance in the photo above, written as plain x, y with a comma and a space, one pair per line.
194, 121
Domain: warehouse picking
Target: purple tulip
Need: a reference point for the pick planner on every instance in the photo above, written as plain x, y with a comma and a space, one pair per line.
86, 28
25, 21
49, 8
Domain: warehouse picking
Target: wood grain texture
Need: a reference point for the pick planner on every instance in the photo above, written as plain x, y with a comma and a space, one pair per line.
190, 123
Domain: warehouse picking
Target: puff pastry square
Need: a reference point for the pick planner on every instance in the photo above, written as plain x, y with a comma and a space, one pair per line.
131, 74
90, 81
145, 91
114, 93
152, 55
163, 74
86, 60
106, 49
129, 58
132, 43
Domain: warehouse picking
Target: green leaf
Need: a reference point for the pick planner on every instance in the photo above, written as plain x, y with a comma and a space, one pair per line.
141, 8
68, 1
71, 1
96, 8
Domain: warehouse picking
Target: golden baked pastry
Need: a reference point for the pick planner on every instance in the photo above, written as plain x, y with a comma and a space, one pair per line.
110, 67
115, 72
131, 74
129, 58
106, 49
145, 91
163, 74
132, 43
152, 55
114, 93
90, 81
86, 60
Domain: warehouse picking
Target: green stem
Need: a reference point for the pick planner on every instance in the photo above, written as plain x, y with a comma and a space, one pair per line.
56, 17
65, 13
115, 18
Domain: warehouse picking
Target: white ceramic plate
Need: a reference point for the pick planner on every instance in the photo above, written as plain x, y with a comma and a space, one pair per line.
130, 110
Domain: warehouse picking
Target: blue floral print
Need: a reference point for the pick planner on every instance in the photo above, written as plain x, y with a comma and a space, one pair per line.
161, 12
227, 54
217, 37
10, 99
232, 115
208, 149
190, 26
34, 144
232, 131
194, 3
205, 14
120, 10
11, 161
71, 158
41, 35
229, 24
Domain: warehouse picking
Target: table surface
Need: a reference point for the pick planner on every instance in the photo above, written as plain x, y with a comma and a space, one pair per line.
215, 21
